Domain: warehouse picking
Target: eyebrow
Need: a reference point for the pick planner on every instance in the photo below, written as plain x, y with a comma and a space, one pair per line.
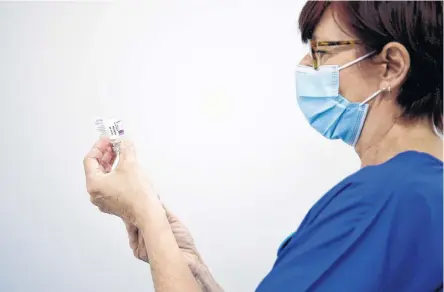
316, 38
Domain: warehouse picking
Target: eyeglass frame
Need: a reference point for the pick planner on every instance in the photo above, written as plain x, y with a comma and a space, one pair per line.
314, 44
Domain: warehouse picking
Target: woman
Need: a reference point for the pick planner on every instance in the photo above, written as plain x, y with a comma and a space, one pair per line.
373, 79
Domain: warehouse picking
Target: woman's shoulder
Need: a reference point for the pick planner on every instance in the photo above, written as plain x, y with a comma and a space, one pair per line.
408, 178
407, 173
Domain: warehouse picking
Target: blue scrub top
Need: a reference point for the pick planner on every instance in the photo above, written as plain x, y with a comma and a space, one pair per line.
381, 229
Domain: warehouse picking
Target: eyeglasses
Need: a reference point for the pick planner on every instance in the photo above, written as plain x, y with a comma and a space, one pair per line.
315, 51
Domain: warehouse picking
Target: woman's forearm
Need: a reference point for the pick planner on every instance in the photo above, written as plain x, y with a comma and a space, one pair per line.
169, 268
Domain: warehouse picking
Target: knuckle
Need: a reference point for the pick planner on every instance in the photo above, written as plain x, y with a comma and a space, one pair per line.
92, 188
85, 160
95, 202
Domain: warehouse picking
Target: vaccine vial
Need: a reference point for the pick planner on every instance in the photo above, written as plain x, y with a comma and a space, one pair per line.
111, 128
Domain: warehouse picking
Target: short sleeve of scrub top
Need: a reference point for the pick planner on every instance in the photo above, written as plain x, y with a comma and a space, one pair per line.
381, 229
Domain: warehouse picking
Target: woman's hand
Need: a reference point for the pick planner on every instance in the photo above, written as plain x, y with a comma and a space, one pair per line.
125, 191
104, 161
154, 233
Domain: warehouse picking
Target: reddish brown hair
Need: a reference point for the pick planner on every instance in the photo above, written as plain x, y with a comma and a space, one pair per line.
415, 24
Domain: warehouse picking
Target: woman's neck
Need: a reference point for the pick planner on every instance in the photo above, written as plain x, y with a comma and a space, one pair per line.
400, 138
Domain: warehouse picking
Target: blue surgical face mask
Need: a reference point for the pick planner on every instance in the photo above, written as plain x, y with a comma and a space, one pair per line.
326, 110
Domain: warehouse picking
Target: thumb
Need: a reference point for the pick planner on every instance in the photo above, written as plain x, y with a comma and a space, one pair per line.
170, 215
127, 153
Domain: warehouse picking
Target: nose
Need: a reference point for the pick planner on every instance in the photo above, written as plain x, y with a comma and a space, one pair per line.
306, 60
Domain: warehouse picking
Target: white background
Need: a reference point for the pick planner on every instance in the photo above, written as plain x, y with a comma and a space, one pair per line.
206, 90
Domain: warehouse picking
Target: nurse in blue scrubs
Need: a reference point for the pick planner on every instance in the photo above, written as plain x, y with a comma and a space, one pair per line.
373, 78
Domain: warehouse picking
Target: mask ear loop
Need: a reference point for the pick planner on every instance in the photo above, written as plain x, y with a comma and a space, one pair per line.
356, 61
386, 89
435, 129
389, 90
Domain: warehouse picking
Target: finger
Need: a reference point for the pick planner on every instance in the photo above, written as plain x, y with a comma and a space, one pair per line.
107, 155
133, 231
108, 159
127, 153
91, 162
170, 215
141, 241
113, 159
130, 228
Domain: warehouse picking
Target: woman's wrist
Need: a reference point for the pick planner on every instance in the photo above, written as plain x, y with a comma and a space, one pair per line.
148, 210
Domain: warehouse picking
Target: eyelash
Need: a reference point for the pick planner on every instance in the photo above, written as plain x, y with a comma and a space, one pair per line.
321, 52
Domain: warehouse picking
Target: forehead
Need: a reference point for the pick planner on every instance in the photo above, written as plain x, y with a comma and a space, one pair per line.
330, 28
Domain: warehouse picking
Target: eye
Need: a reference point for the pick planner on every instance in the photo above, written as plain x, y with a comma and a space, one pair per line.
320, 53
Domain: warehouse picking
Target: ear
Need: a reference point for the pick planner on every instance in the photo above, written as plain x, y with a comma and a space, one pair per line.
396, 61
